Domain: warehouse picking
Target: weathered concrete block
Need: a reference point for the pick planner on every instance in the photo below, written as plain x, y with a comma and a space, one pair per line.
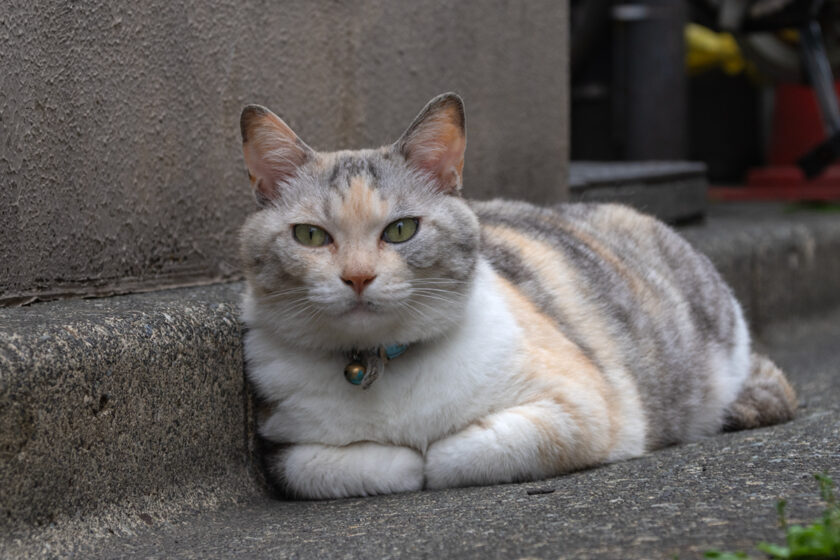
673, 191
121, 163
118, 400
780, 262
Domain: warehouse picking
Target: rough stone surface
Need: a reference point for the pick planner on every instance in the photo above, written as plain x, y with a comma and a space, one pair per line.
781, 260
120, 156
116, 400
679, 502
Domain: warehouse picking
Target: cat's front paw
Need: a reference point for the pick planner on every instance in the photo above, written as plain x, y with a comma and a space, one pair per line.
361, 469
445, 466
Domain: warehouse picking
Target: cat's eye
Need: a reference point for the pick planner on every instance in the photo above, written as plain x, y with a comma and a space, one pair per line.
311, 236
401, 230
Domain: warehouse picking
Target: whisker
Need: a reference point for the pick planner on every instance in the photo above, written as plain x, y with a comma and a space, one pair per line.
298, 309
437, 297
433, 291
435, 281
287, 291
427, 306
427, 289
416, 313
282, 297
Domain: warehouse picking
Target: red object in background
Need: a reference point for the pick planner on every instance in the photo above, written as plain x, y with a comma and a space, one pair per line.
797, 128
783, 182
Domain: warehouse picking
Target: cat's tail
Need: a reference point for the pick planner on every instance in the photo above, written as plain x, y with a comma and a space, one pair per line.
766, 398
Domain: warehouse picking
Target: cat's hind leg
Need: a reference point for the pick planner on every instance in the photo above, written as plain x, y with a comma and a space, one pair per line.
318, 471
766, 398
526, 442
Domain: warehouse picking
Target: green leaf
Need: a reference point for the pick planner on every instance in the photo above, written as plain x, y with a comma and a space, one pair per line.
725, 555
826, 488
818, 541
774, 550
780, 511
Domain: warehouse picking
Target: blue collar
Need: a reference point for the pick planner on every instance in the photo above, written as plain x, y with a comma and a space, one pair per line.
394, 350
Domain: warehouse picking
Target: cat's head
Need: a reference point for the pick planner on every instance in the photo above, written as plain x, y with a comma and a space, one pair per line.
354, 249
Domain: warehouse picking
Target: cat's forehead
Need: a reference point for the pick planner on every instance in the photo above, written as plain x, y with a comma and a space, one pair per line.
339, 169
359, 188
359, 203
351, 186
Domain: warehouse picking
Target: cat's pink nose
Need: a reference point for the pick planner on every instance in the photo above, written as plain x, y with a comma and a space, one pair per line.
358, 281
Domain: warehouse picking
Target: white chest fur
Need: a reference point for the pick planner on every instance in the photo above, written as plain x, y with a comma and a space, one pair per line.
433, 390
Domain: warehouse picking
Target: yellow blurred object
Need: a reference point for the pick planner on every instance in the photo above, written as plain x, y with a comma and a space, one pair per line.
707, 49
789, 36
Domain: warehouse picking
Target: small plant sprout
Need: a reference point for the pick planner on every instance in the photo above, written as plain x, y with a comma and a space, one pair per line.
817, 541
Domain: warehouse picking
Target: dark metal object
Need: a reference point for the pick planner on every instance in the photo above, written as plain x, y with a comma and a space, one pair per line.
589, 23
732, 14
649, 93
741, 16
819, 74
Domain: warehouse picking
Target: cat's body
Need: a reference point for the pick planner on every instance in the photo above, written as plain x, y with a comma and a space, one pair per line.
538, 340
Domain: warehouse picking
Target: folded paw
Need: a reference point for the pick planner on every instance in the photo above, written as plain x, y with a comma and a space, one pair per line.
361, 469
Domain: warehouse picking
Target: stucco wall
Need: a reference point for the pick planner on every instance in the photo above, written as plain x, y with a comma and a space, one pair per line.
120, 161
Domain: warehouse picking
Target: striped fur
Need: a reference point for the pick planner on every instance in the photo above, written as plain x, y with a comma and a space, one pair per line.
541, 340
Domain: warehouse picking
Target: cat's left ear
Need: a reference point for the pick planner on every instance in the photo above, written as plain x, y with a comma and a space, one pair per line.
436, 140
273, 152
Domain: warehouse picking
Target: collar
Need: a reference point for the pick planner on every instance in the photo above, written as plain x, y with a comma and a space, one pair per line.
366, 365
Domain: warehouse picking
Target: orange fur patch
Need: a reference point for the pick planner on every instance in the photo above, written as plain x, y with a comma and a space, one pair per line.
360, 213
562, 280
566, 286
362, 202
559, 371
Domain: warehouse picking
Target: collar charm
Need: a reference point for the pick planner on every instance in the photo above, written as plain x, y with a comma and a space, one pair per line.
366, 365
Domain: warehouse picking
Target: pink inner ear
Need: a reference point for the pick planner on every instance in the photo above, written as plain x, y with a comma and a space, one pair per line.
448, 163
437, 145
273, 154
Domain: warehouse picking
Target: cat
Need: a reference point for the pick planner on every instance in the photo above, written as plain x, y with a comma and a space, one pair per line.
405, 338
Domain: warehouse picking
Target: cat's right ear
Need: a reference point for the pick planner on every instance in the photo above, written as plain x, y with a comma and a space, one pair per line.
273, 152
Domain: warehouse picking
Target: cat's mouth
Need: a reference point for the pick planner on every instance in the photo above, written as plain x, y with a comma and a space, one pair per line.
361, 308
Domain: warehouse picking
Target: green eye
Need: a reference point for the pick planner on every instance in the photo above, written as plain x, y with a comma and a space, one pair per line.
311, 236
401, 230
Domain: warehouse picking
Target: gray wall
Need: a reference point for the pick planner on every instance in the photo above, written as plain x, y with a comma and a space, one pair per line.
120, 161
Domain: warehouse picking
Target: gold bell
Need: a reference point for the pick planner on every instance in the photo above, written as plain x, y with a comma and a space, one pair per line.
354, 372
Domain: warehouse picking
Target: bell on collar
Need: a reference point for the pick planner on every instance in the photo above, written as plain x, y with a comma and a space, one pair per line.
354, 372
366, 365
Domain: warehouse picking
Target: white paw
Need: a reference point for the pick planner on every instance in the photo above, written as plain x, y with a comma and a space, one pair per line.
362, 469
456, 460
438, 469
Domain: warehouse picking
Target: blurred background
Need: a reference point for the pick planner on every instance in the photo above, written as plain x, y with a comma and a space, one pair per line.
747, 87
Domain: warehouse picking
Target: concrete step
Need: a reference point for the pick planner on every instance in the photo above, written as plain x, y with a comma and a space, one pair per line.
720, 493
781, 260
121, 405
673, 191
127, 412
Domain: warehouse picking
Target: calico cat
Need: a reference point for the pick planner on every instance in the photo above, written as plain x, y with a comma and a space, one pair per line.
405, 338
